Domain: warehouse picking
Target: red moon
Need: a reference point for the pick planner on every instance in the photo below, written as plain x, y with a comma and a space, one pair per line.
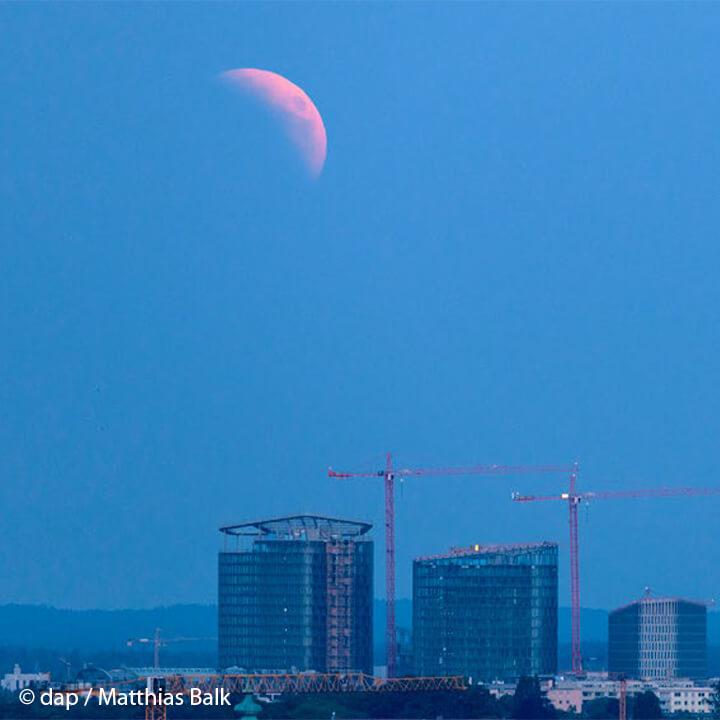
297, 112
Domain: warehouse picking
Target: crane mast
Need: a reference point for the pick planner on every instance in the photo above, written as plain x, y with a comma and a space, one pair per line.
388, 474
574, 499
390, 636
574, 576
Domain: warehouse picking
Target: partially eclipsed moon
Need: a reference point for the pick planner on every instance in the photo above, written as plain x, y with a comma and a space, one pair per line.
298, 114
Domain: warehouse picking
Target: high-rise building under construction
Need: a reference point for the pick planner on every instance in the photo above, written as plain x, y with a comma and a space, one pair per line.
295, 594
487, 612
656, 638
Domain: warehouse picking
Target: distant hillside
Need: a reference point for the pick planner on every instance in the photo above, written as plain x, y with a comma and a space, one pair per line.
33, 632
39, 626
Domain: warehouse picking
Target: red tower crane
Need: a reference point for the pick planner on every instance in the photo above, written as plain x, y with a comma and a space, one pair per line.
574, 499
388, 474
622, 699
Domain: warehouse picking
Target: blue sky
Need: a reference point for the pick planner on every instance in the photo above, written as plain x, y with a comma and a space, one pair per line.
511, 257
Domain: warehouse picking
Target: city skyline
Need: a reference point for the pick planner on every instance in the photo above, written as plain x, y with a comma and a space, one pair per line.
508, 257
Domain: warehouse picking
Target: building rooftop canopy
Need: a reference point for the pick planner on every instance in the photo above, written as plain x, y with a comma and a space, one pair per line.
299, 527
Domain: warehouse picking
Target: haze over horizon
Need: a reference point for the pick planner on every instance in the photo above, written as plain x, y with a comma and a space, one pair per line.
511, 256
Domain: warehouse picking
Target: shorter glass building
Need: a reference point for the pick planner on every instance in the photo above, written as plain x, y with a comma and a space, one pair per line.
658, 638
487, 612
295, 594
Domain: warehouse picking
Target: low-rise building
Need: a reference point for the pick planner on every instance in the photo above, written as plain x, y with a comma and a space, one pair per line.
696, 699
681, 695
17, 679
568, 698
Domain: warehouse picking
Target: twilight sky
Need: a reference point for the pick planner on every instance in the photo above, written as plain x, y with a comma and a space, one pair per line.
511, 256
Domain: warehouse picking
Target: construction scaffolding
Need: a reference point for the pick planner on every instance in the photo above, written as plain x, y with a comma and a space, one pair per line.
339, 584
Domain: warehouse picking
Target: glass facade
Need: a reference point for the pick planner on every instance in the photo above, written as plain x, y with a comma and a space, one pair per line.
296, 604
487, 612
624, 641
658, 638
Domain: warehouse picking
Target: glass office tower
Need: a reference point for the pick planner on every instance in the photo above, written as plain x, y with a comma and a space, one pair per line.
295, 594
658, 638
487, 612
